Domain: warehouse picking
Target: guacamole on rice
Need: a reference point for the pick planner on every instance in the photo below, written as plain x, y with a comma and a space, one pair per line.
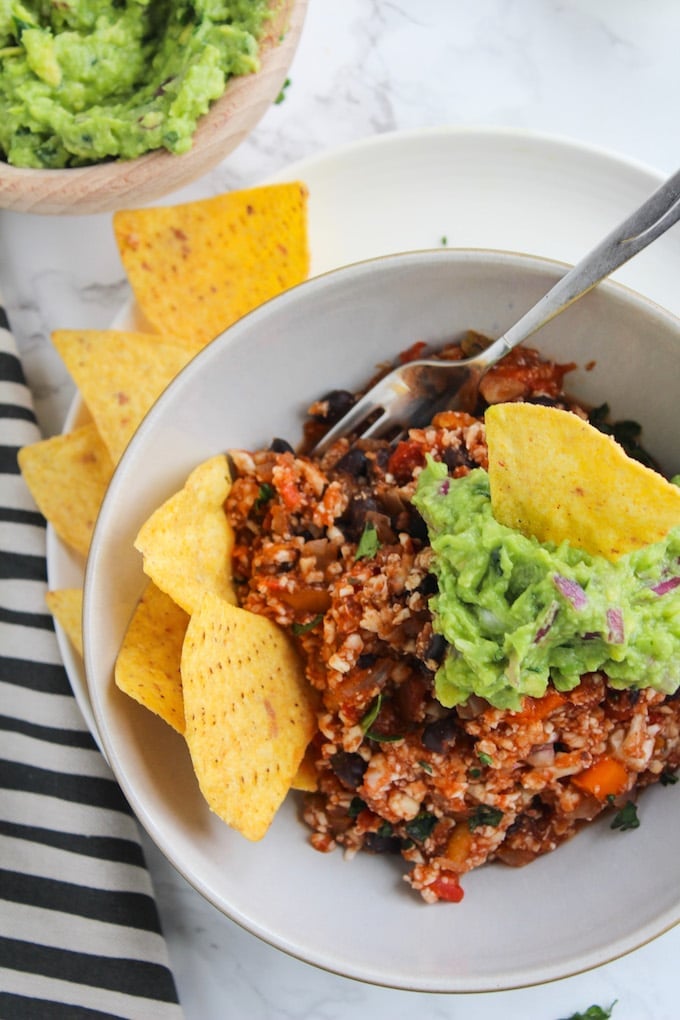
86, 80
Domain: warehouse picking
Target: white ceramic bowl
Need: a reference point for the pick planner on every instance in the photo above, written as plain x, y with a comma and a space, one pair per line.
595, 898
118, 184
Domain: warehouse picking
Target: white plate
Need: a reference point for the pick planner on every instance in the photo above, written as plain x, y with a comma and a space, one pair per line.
475, 189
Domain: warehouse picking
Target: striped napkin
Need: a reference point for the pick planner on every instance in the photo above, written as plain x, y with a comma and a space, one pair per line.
79, 930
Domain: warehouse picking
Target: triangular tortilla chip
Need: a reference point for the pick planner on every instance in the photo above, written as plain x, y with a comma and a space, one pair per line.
248, 710
66, 606
187, 542
555, 476
147, 667
68, 476
198, 267
120, 375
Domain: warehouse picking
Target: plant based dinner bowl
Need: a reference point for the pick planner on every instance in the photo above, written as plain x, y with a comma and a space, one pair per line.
121, 183
569, 910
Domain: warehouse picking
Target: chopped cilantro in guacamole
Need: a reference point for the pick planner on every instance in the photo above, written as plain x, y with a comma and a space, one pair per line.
517, 613
86, 80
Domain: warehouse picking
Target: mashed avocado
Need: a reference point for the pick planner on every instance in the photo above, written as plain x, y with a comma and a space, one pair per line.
517, 613
84, 80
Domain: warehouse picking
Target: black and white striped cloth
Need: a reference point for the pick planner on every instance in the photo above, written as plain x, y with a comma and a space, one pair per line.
79, 930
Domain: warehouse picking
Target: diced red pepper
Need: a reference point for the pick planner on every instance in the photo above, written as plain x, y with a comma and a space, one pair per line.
447, 887
406, 457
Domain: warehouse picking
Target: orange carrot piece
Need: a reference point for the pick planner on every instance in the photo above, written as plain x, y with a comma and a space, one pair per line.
606, 777
540, 708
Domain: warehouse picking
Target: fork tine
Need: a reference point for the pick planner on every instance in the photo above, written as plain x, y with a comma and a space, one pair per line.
350, 422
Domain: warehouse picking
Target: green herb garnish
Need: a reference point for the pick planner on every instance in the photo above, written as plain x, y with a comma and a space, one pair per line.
282, 94
420, 827
265, 494
668, 778
626, 818
302, 628
368, 543
484, 814
485, 759
356, 806
367, 720
594, 1013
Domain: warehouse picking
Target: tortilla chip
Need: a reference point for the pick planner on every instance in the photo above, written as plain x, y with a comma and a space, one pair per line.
66, 606
147, 667
557, 477
68, 476
186, 544
120, 375
198, 267
306, 778
248, 713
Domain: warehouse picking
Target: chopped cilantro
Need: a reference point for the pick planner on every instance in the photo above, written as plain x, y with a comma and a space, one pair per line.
485, 759
384, 738
420, 827
444, 240
426, 767
368, 543
356, 806
594, 1013
264, 495
668, 778
474, 772
385, 830
626, 818
302, 628
484, 814
282, 94
369, 718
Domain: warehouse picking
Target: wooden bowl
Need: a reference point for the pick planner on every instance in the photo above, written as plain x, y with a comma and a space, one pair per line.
104, 187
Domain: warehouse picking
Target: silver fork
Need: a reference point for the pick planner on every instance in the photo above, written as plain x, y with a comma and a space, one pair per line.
409, 396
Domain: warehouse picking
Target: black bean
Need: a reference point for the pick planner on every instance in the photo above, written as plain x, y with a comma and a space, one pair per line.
416, 526
440, 734
366, 660
354, 519
349, 768
378, 844
354, 462
428, 586
338, 402
380, 460
280, 446
436, 648
457, 456
545, 401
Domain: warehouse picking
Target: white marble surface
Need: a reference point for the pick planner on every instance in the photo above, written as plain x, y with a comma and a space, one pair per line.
605, 73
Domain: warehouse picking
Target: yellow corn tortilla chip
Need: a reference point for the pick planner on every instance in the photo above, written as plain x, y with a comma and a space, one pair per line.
305, 779
186, 544
196, 268
148, 664
66, 606
68, 476
557, 477
248, 713
120, 375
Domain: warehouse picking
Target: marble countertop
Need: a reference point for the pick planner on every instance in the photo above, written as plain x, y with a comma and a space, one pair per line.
603, 74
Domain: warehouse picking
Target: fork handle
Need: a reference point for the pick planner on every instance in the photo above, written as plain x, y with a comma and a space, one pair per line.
649, 221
